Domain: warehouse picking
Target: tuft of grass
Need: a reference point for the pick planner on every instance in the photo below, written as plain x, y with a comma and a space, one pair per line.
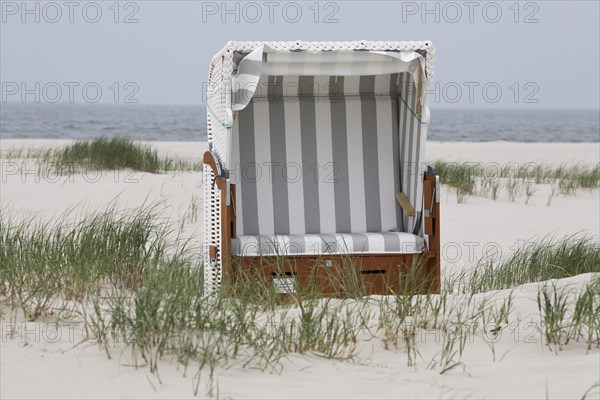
586, 315
104, 154
110, 154
553, 305
41, 263
536, 261
566, 316
462, 177
469, 178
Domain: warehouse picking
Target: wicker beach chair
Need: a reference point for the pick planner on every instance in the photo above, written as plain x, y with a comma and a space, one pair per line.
315, 165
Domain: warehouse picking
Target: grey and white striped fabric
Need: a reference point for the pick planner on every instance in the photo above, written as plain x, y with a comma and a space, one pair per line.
339, 243
318, 155
264, 61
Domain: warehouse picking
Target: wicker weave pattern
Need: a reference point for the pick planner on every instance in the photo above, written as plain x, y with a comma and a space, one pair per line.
426, 45
218, 117
212, 230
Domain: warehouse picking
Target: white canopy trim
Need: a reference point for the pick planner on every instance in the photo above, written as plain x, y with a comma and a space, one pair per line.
264, 61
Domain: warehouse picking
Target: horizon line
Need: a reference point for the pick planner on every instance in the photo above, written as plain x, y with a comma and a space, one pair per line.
204, 105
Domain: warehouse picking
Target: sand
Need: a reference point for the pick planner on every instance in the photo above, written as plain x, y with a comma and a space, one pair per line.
34, 365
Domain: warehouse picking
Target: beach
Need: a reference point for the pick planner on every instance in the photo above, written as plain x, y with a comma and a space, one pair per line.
479, 220
40, 359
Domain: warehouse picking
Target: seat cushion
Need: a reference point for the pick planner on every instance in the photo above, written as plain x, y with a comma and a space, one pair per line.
338, 243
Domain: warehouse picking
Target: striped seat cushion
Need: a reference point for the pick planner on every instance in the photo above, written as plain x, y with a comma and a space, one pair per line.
339, 243
326, 155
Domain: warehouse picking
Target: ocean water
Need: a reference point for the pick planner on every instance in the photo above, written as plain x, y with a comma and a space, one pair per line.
80, 121
188, 123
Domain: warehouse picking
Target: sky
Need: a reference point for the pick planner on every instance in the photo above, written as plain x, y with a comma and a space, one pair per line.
503, 54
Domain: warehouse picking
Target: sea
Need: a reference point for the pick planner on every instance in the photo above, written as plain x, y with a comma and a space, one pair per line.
188, 123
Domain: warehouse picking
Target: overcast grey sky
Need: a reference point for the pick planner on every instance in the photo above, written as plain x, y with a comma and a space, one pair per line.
504, 54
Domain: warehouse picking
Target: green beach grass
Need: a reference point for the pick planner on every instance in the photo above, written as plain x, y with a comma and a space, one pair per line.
490, 180
105, 154
536, 261
136, 284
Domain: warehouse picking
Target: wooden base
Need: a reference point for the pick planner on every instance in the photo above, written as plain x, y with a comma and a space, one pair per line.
342, 275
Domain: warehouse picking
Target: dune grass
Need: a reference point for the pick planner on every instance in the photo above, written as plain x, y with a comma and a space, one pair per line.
111, 154
514, 180
72, 260
536, 261
139, 289
104, 154
565, 316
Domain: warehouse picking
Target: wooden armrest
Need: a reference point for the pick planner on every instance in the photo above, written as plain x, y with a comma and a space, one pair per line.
209, 158
405, 204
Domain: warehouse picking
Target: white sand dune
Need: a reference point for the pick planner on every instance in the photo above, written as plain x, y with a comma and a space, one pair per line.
36, 365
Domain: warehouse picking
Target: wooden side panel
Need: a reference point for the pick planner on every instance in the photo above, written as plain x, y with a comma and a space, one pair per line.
432, 228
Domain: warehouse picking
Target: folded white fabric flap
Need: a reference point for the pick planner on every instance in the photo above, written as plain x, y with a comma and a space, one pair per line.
264, 61
246, 80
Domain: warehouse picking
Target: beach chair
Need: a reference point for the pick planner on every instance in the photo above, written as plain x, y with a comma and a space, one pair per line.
315, 166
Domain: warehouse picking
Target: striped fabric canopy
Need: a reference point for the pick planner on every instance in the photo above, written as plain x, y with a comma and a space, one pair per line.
325, 154
264, 61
